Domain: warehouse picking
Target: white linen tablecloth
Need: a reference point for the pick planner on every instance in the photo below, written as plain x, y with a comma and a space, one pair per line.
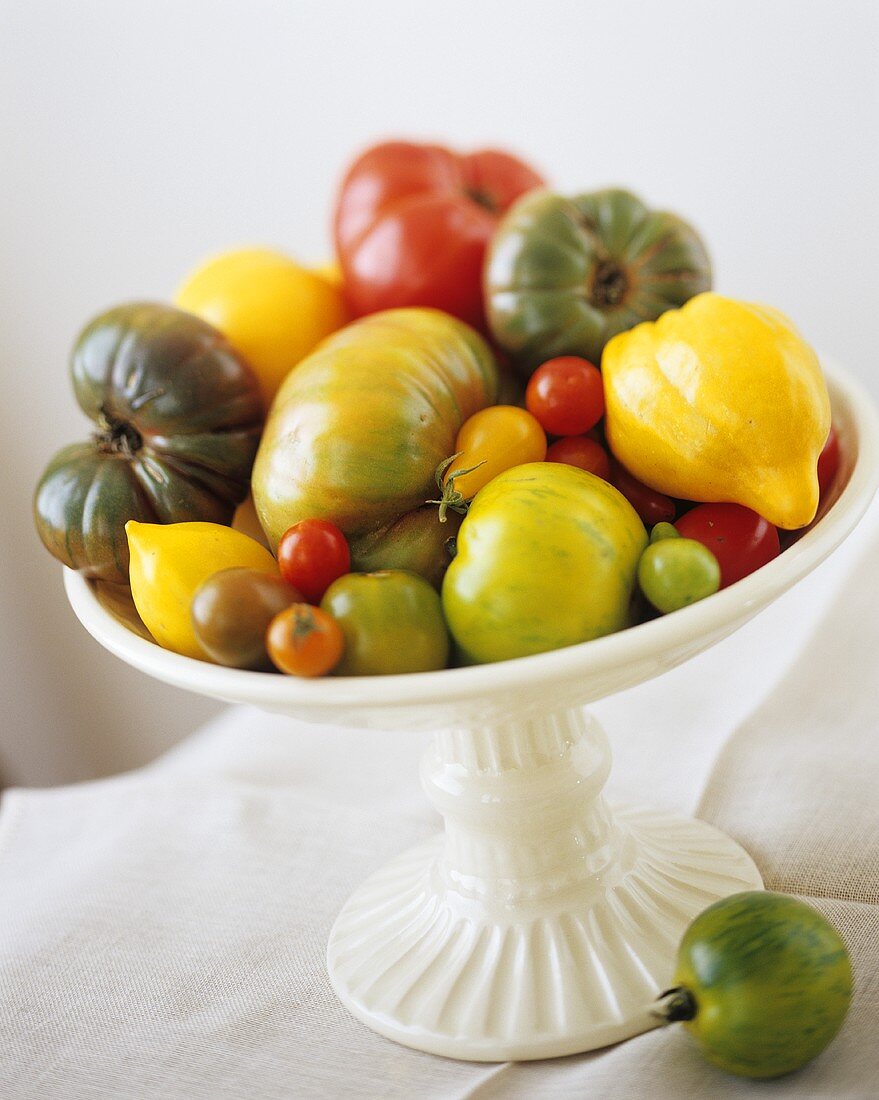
162, 933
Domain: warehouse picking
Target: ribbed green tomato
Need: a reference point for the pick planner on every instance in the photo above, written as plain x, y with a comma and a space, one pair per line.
763, 982
392, 621
546, 557
358, 429
179, 416
565, 275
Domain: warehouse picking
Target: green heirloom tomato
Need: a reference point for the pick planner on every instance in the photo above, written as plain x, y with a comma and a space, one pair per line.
178, 416
392, 621
565, 275
358, 429
763, 983
417, 542
546, 557
674, 572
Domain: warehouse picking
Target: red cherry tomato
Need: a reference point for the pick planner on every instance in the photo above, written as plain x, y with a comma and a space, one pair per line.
311, 555
828, 462
741, 540
651, 506
581, 451
412, 223
566, 395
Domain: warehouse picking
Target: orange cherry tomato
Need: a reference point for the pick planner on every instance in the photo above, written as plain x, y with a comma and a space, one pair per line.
491, 441
305, 641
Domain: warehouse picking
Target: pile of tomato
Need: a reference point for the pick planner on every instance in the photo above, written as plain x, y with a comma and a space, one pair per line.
321, 617
458, 337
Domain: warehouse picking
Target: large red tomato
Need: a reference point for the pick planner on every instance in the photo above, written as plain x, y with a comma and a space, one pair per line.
412, 223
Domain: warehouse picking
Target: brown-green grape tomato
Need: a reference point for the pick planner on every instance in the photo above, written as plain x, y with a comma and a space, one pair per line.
392, 621
231, 612
675, 572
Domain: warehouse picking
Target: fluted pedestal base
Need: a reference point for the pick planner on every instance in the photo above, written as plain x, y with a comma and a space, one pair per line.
543, 923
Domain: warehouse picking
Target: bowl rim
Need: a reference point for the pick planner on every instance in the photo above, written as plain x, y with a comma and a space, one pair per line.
634, 644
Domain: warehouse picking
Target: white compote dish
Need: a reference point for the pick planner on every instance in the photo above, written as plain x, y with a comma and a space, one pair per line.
541, 922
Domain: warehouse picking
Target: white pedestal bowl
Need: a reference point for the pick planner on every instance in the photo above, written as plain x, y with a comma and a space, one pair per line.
541, 923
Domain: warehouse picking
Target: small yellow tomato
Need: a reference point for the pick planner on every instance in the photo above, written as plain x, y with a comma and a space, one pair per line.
170, 562
491, 441
271, 309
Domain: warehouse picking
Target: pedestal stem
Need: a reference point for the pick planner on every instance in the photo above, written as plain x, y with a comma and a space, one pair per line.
524, 817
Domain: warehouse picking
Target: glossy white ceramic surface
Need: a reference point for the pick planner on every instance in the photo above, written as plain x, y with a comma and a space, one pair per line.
541, 923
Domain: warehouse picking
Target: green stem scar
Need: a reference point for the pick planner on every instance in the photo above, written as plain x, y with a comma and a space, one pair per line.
451, 497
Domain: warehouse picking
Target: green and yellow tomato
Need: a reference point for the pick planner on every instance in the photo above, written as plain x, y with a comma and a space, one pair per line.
674, 572
178, 417
359, 427
564, 275
392, 621
546, 557
763, 982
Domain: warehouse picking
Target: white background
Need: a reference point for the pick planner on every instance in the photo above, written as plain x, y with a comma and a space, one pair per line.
137, 137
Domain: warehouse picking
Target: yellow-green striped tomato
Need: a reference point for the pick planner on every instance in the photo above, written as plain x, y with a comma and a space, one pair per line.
763, 983
546, 557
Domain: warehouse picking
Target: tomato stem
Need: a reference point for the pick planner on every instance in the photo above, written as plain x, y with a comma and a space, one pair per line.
117, 436
450, 497
675, 1005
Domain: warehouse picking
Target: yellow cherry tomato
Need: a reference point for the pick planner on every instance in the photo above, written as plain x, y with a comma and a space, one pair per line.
170, 562
271, 309
491, 441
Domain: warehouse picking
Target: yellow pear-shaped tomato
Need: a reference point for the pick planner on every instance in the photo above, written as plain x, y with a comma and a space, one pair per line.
546, 557
269, 308
720, 401
170, 561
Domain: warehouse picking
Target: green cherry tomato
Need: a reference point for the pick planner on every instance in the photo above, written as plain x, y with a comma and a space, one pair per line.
392, 621
763, 983
664, 531
675, 572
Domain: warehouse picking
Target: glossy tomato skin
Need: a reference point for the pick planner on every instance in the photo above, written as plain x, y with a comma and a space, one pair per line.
676, 572
304, 641
741, 540
651, 506
231, 612
566, 395
392, 621
412, 223
583, 452
828, 462
311, 555
491, 441
769, 981
547, 557
358, 429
